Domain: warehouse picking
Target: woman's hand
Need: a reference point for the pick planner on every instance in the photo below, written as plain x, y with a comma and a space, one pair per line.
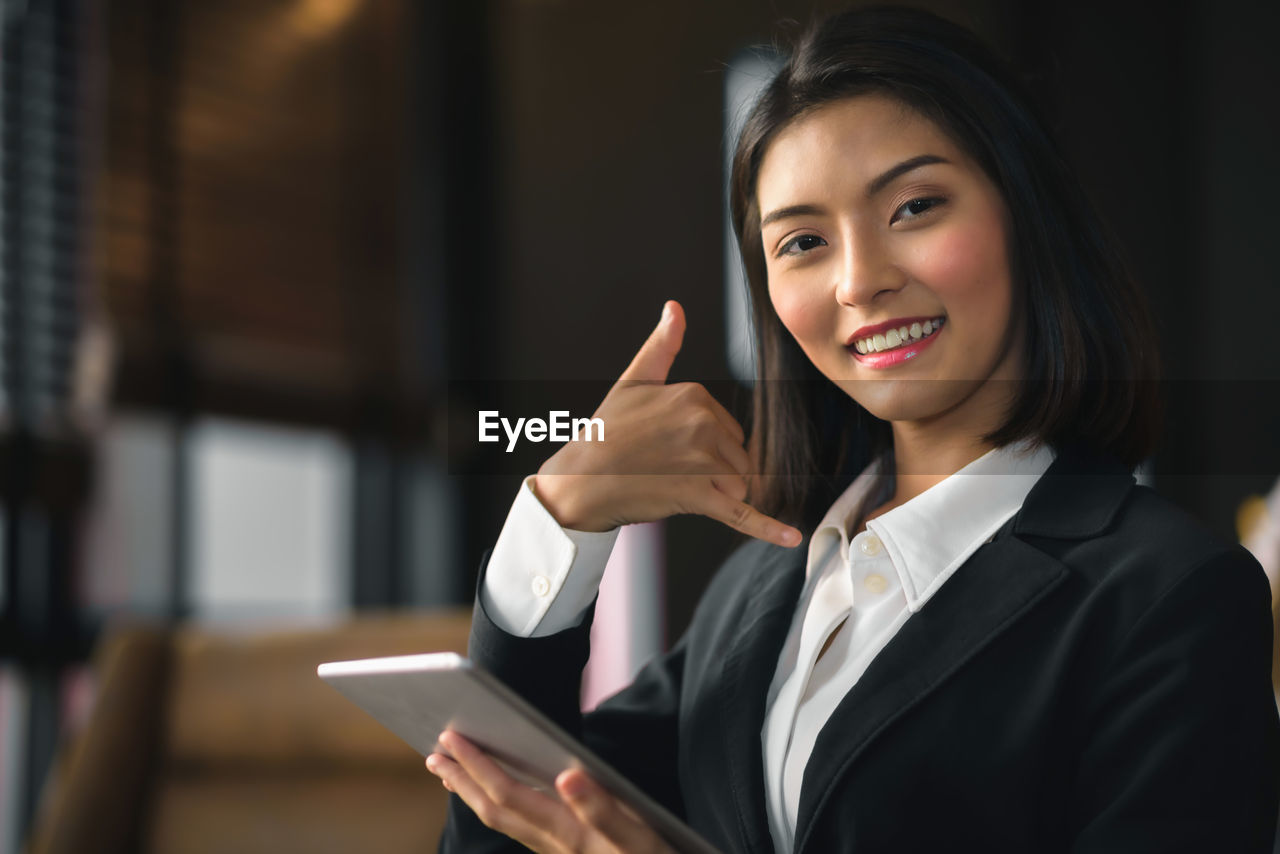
667, 449
586, 819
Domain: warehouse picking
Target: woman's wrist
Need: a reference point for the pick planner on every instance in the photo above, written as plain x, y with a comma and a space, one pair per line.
556, 500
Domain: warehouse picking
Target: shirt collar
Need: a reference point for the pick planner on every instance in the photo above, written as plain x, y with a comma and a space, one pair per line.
871, 488
930, 536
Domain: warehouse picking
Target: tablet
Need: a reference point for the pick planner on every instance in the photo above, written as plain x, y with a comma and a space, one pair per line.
420, 696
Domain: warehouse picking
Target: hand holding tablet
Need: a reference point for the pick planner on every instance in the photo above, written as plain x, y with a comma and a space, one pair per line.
505, 745
580, 816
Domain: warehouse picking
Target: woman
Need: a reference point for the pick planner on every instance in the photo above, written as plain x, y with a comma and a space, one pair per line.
1048, 659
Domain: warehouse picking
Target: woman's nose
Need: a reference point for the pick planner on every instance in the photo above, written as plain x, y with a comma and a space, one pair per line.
865, 272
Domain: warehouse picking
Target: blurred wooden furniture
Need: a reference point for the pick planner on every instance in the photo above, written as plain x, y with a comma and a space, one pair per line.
204, 742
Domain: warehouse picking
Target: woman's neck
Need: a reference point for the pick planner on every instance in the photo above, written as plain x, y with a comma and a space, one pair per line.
922, 459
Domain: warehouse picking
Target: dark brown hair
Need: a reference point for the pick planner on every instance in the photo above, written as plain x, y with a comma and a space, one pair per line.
1090, 360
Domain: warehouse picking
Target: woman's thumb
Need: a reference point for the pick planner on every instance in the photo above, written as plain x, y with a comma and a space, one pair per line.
653, 361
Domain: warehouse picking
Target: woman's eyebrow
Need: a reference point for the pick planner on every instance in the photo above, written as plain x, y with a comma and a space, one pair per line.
883, 180
874, 186
790, 211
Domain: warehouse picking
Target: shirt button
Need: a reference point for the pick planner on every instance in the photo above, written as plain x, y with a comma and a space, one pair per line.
541, 586
870, 545
875, 583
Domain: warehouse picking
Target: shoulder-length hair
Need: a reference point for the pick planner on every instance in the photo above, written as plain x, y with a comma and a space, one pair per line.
1090, 360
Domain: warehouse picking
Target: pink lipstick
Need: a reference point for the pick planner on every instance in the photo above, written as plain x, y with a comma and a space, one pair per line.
894, 342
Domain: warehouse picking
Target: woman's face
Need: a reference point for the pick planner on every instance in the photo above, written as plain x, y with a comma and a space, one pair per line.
874, 223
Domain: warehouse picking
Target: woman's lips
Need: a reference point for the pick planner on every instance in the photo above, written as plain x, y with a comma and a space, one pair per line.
895, 351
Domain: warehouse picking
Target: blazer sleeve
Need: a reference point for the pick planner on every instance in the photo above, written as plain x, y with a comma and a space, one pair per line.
634, 731
1183, 753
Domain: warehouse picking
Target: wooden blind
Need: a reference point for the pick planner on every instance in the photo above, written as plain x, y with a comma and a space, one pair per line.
252, 186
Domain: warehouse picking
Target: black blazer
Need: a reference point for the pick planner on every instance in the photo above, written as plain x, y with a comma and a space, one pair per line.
1095, 679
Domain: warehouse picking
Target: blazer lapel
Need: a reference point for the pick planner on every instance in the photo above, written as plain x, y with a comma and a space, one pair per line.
748, 672
999, 584
966, 614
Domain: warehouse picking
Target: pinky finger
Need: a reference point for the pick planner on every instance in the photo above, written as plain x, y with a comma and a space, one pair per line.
750, 521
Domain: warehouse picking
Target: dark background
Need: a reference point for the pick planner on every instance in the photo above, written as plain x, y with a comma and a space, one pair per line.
366, 215
602, 188
498, 192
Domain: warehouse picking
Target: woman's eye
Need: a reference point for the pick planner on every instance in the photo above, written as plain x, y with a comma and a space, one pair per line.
801, 244
914, 208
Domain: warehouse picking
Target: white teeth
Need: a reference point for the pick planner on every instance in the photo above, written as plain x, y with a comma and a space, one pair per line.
897, 337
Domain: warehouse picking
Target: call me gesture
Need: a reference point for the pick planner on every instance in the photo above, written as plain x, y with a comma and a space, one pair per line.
679, 449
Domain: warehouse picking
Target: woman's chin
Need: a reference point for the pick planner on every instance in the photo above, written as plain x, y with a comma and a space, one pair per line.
903, 400
909, 400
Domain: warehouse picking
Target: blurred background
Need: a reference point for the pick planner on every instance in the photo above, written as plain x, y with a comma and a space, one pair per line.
263, 258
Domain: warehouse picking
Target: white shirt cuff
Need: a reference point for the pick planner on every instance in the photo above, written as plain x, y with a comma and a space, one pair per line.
541, 577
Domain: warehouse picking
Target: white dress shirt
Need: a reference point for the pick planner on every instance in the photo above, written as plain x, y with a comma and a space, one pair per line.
866, 586
541, 577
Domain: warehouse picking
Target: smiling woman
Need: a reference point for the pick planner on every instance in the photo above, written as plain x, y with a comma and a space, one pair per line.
869, 245
1083, 364
989, 624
